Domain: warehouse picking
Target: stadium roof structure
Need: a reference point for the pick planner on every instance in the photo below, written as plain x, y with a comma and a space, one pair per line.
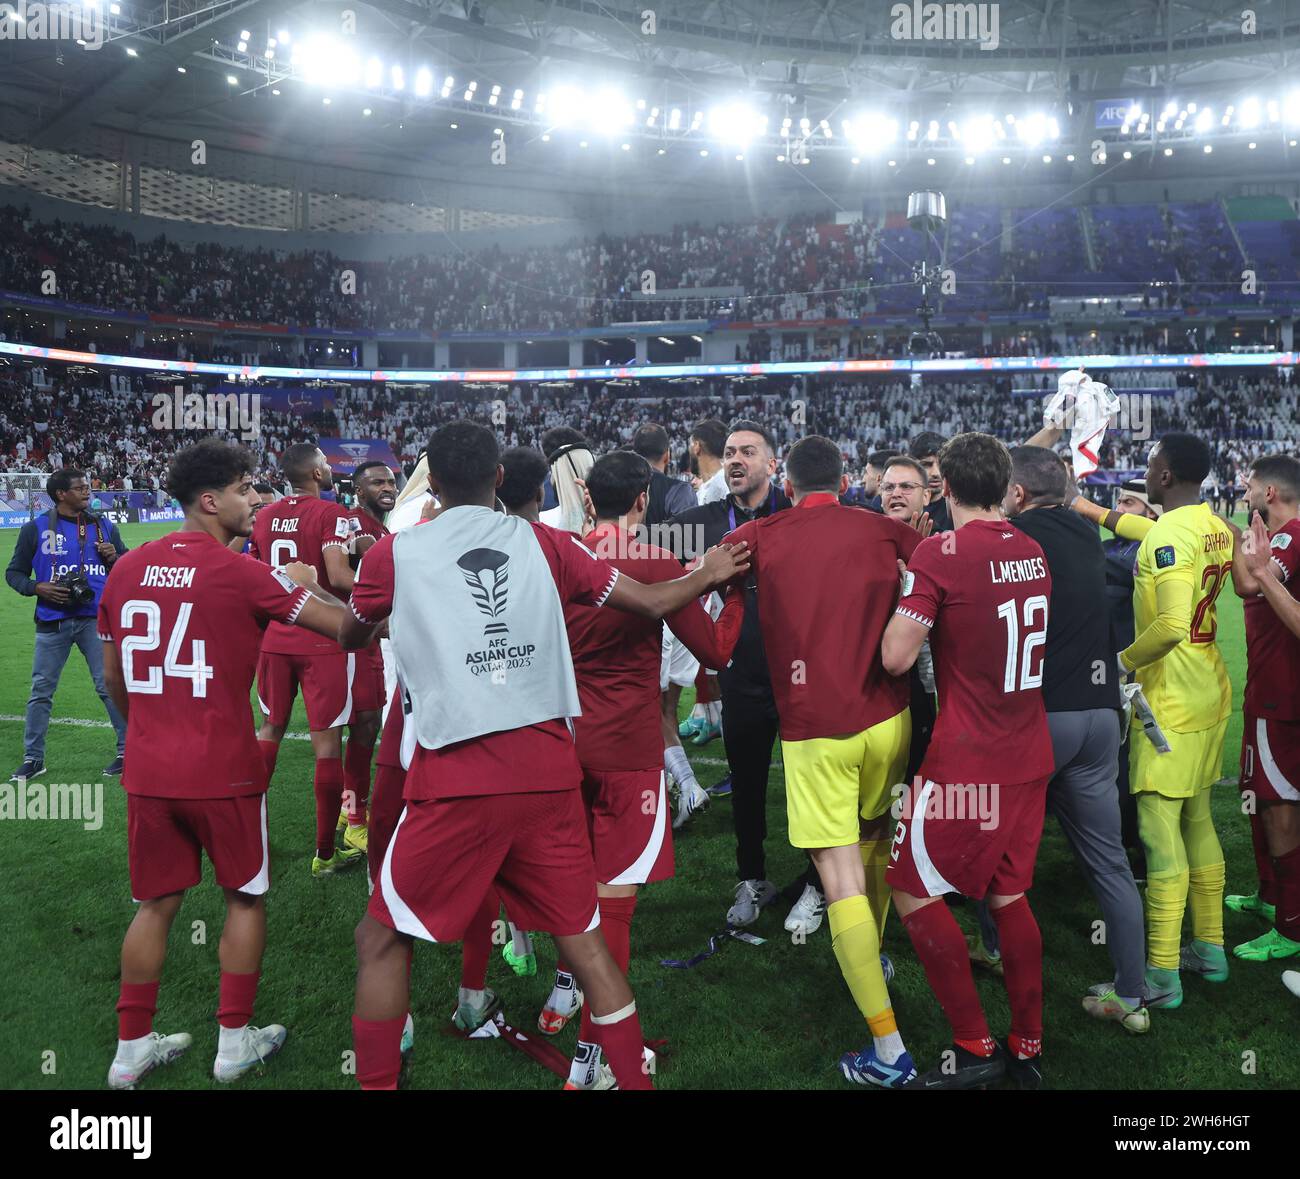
416, 104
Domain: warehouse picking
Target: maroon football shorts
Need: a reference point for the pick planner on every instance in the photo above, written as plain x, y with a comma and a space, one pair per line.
166, 836
446, 853
368, 684
968, 839
1270, 758
628, 817
326, 681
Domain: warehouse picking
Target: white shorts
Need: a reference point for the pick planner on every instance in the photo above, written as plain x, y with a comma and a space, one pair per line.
676, 664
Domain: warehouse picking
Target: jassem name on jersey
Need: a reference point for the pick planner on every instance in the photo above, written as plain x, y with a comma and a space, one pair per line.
168, 576
284, 524
1025, 569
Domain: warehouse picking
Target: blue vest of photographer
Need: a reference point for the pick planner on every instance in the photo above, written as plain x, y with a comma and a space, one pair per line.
52, 546
66, 547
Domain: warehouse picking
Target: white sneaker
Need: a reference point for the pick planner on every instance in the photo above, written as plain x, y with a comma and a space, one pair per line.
256, 1047
689, 803
124, 1073
808, 912
1291, 980
751, 896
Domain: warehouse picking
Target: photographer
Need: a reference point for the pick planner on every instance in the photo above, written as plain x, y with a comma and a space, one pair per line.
62, 558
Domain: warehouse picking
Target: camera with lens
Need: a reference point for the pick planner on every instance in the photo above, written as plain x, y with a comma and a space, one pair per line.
80, 591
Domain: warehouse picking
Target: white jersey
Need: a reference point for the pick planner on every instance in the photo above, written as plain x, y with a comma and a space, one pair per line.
712, 489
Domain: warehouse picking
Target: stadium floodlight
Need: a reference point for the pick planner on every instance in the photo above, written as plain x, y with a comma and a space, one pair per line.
283, 36
131, 52
735, 124
469, 91
930, 161
231, 80
398, 77
953, 130
1033, 130
244, 35
374, 73
805, 126
1209, 147
932, 131
367, 112
660, 152
640, 104
270, 42
1006, 159
1169, 151
516, 100
1251, 145
675, 119
1191, 108
978, 134
697, 120
1250, 113
564, 104
1047, 159
1204, 119
1134, 112
181, 70
115, 9
495, 96
872, 131
704, 151
1171, 109
329, 62
1053, 129
242, 47
855, 160
423, 82
610, 112
1128, 155
912, 128
1274, 112
970, 159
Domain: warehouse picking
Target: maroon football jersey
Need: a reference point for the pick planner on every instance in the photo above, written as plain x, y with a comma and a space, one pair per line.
983, 592
300, 528
534, 758
187, 617
1273, 651
827, 579
616, 657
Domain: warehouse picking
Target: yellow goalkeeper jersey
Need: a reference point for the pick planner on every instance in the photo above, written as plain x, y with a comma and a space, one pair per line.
1188, 687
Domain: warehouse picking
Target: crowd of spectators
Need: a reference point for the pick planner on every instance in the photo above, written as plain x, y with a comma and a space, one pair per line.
110, 426
804, 268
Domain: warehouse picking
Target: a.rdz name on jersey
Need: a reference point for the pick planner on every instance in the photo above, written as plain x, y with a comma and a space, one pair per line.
168, 576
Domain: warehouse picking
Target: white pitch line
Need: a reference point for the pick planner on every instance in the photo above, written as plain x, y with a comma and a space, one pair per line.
81, 723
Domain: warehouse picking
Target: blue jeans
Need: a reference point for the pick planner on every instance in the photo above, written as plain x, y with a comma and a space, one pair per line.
53, 646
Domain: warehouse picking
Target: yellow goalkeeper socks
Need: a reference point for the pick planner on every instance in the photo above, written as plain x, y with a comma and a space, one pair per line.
1205, 899
875, 859
1166, 902
857, 949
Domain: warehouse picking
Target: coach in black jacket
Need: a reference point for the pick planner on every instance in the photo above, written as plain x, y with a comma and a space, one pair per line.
749, 718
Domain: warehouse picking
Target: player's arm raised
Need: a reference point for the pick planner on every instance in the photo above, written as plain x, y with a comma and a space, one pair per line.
1257, 555
321, 612
719, 566
905, 634
1126, 525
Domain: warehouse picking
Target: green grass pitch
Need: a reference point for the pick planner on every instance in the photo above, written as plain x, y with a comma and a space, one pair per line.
775, 1016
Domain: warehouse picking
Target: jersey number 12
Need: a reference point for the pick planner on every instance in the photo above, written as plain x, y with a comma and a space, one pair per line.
1018, 675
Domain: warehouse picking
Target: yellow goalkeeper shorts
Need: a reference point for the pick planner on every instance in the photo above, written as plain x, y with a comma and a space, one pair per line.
1194, 762
833, 782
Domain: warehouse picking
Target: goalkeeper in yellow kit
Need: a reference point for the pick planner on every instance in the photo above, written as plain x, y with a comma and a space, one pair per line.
1183, 563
